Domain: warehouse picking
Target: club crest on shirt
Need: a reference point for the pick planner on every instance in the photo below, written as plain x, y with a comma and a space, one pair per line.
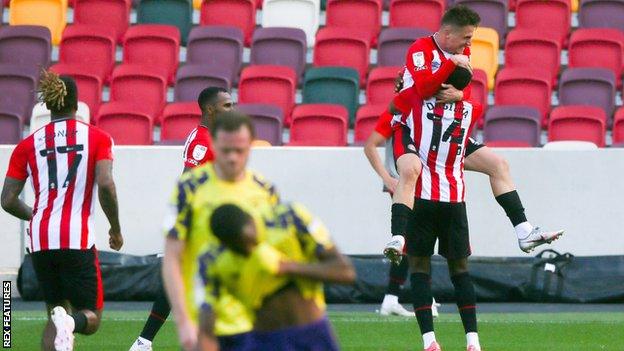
419, 59
199, 151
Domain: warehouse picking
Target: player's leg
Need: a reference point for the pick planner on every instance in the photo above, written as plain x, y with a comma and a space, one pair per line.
480, 158
390, 304
158, 315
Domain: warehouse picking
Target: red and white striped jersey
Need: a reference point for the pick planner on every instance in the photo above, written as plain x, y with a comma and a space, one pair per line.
60, 160
198, 147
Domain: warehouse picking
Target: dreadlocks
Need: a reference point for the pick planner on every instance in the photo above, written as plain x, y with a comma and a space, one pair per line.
59, 93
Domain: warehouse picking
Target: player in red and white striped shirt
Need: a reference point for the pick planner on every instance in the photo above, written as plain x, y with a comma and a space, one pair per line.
66, 160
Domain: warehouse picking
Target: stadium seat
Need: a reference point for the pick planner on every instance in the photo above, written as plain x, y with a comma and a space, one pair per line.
302, 14
597, 47
280, 47
216, 45
365, 121
380, 85
177, 13
343, 47
493, 14
618, 127
272, 85
526, 47
551, 16
394, 43
89, 85
512, 124
480, 91
601, 14
588, 86
47, 13
142, 41
507, 144
267, 120
192, 79
90, 47
41, 116
178, 119
319, 125
25, 45
332, 85
484, 52
114, 14
126, 124
18, 89
524, 87
578, 123
11, 126
420, 13
141, 86
363, 15
236, 13
260, 143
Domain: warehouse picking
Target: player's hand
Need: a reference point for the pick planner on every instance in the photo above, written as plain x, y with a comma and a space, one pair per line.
187, 333
398, 82
115, 240
461, 60
449, 94
391, 184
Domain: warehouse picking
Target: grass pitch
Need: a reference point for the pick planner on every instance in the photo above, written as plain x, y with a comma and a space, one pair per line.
368, 331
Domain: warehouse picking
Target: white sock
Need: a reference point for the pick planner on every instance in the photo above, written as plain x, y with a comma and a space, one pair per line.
391, 299
428, 339
71, 322
472, 339
144, 341
523, 230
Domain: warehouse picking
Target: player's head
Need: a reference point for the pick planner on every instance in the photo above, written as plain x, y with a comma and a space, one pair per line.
232, 134
235, 228
459, 78
59, 93
457, 29
213, 100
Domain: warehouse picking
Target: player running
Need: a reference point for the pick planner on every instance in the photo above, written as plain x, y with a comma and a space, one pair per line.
197, 151
66, 160
274, 266
196, 195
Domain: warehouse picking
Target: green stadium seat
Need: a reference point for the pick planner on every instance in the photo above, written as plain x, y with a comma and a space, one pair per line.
333, 85
177, 13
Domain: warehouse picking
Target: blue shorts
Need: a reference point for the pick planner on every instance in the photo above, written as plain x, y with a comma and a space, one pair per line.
317, 336
237, 342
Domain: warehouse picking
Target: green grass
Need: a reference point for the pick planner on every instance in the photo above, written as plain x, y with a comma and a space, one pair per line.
368, 331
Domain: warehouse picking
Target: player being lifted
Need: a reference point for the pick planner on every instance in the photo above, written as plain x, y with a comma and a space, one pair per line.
275, 266
67, 160
197, 151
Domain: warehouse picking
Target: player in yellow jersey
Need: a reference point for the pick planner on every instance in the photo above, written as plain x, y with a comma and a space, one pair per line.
197, 193
275, 266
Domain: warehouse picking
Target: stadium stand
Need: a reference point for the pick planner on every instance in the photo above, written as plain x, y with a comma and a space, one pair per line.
25, 45
280, 47
273, 85
142, 41
598, 47
601, 14
526, 87
344, 47
90, 85
422, 14
41, 115
479, 91
240, 13
545, 16
192, 79
268, 121
525, 47
113, 14
588, 86
98, 41
302, 14
380, 85
141, 86
618, 127
126, 124
48, 13
178, 119
319, 125
216, 46
365, 121
578, 123
17, 89
362, 15
394, 43
493, 14
332, 85
484, 52
177, 13
11, 126
516, 124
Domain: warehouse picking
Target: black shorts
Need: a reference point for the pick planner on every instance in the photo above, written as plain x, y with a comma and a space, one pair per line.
472, 146
72, 275
442, 221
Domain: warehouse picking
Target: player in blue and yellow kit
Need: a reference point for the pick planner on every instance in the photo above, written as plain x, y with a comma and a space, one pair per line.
274, 265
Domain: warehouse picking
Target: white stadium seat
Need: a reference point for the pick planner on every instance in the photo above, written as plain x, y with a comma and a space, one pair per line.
303, 14
41, 115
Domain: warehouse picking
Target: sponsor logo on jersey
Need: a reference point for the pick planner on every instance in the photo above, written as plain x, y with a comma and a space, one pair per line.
199, 151
419, 59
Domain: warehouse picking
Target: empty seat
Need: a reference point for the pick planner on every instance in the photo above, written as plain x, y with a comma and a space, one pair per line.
89, 85
114, 14
90, 47
11, 126
216, 45
332, 85
141, 42
267, 120
493, 14
126, 124
551, 16
597, 47
601, 14
479, 91
41, 115
141, 86
421, 13
319, 125
394, 43
578, 123
618, 127
25, 45
236, 13
279, 47
507, 143
178, 120
342, 47
512, 124
588, 86
18, 89
302, 14
273, 85
484, 52
192, 79
47, 13
526, 47
365, 121
363, 15
177, 13
380, 85
524, 87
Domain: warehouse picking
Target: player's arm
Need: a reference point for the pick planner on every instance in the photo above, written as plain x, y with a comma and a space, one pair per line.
107, 194
14, 184
375, 140
333, 267
207, 339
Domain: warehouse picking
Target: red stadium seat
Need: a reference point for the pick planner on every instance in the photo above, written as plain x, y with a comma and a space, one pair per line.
142, 42
365, 121
344, 47
525, 47
89, 85
618, 126
178, 119
598, 47
417, 13
380, 86
114, 14
578, 123
363, 15
141, 86
126, 124
551, 16
265, 84
319, 125
524, 87
479, 91
89, 46
237, 13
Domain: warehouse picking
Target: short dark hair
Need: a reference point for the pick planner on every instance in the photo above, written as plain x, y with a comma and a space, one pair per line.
231, 121
459, 78
59, 93
209, 96
461, 16
227, 222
